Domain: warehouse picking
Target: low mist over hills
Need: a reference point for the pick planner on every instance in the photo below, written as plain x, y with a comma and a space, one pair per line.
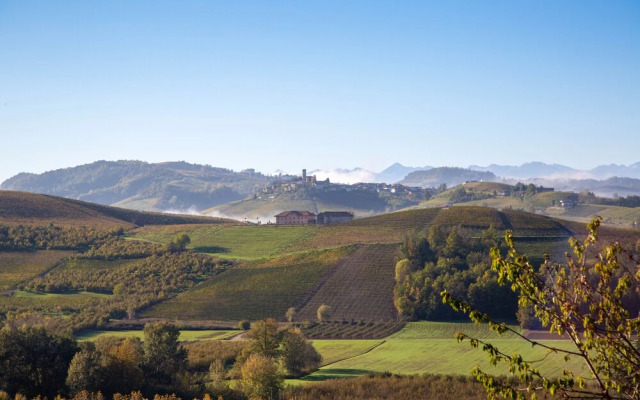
184, 187
531, 170
557, 171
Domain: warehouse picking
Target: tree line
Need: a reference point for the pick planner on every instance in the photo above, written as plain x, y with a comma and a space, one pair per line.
35, 362
447, 259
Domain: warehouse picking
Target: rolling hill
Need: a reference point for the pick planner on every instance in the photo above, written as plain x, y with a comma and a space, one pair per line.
448, 175
362, 201
139, 185
37, 209
257, 271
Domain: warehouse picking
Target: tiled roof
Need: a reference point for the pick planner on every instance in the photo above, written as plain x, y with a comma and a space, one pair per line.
296, 213
336, 214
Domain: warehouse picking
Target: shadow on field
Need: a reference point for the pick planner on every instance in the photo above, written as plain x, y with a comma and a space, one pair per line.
335, 373
211, 249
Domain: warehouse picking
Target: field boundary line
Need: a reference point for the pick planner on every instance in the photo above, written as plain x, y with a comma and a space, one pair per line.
358, 355
55, 265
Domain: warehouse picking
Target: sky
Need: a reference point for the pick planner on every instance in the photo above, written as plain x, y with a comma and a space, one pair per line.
286, 85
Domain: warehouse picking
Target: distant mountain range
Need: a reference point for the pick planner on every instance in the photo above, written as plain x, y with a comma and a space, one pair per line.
556, 171
392, 174
531, 170
185, 187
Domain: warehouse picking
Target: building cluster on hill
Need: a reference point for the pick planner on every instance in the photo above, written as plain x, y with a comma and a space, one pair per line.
290, 183
309, 218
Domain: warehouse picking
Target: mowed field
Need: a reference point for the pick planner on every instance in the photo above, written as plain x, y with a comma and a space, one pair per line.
429, 347
246, 242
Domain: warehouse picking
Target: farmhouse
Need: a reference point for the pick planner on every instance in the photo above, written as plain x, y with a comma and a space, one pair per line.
295, 218
333, 217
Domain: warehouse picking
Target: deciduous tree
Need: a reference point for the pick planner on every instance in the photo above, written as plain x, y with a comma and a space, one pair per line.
324, 313
261, 378
164, 357
34, 362
298, 354
265, 338
86, 371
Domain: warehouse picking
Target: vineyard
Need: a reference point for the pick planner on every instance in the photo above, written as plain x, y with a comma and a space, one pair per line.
253, 290
353, 329
18, 266
109, 281
470, 217
526, 224
358, 287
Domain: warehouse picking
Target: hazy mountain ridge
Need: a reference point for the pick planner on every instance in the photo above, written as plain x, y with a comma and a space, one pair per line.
450, 176
605, 188
141, 185
533, 170
186, 187
392, 174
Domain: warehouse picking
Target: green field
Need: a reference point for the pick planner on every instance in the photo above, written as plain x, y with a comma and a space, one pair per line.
429, 347
337, 350
79, 265
446, 330
441, 356
247, 242
185, 335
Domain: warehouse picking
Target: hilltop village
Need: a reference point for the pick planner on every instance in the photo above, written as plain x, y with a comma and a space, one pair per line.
304, 185
289, 183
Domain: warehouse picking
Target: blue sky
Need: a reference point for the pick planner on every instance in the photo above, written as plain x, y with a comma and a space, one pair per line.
319, 84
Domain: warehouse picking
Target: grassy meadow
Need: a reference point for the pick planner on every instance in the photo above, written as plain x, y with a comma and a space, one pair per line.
248, 242
430, 348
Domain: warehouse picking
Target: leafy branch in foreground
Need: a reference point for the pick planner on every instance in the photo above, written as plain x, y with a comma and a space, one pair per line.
589, 299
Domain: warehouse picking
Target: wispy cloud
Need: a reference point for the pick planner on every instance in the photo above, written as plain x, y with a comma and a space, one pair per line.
347, 176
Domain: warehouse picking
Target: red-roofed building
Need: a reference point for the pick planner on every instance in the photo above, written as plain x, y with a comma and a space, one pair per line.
296, 218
